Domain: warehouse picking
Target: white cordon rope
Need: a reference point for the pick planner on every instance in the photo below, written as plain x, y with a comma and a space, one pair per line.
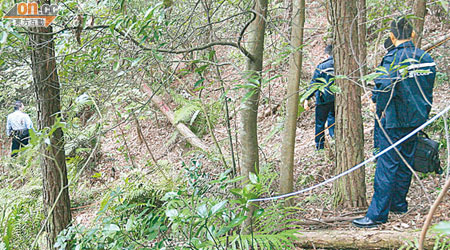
357, 166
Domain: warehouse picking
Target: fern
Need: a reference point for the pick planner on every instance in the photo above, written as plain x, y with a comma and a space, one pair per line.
281, 240
187, 113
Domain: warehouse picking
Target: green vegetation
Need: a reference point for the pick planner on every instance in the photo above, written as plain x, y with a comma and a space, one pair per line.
132, 216
133, 183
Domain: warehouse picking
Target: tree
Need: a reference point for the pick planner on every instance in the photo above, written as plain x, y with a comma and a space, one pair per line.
420, 11
53, 165
349, 190
250, 103
290, 124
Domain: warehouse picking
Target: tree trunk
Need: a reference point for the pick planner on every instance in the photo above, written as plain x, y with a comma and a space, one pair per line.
250, 102
52, 158
350, 190
183, 129
290, 124
359, 239
420, 10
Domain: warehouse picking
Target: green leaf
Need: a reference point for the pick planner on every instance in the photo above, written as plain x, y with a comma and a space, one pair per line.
116, 65
169, 196
3, 37
254, 81
201, 69
149, 13
111, 228
335, 89
172, 213
97, 175
321, 80
444, 5
194, 116
300, 109
237, 221
253, 177
239, 178
218, 207
136, 61
410, 60
258, 213
372, 76
199, 82
19, 36
308, 93
382, 69
211, 55
202, 211
236, 191
443, 227
130, 223
248, 95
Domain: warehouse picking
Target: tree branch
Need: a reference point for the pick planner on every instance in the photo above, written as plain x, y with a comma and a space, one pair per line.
433, 208
170, 51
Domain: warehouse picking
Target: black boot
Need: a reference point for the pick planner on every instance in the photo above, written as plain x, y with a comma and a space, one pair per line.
365, 222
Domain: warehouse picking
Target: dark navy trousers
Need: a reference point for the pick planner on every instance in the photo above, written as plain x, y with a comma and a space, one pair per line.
392, 176
324, 114
17, 143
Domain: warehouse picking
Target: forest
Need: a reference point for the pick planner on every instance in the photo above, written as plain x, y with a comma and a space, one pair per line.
221, 124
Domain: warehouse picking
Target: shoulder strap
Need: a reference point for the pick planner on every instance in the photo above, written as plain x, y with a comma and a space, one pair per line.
423, 134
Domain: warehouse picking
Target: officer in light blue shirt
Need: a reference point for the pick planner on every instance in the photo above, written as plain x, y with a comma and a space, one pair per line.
18, 125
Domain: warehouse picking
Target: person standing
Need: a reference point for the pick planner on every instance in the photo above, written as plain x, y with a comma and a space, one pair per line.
405, 103
324, 76
18, 125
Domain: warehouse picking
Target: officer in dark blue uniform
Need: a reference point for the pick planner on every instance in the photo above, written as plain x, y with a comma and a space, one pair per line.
388, 45
405, 103
324, 76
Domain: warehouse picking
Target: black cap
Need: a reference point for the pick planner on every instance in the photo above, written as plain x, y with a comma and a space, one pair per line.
401, 28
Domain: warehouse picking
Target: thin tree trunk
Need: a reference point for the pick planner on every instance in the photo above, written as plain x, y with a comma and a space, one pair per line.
52, 158
433, 208
420, 11
183, 129
249, 106
350, 190
290, 124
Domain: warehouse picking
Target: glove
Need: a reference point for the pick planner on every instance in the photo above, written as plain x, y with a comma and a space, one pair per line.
306, 105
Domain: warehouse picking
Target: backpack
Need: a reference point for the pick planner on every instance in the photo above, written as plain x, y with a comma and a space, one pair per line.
426, 158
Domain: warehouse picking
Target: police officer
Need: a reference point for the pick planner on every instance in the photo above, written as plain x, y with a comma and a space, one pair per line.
378, 83
18, 125
324, 75
405, 104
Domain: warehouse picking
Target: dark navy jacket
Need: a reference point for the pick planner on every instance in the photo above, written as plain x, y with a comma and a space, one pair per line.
408, 87
323, 75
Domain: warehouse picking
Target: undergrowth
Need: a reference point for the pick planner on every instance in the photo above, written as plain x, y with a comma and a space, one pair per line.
138, 215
